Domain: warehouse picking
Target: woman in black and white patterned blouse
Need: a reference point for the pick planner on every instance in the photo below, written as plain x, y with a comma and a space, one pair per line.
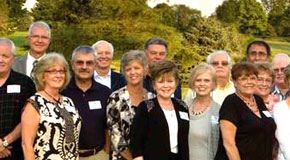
123, 103
50, 122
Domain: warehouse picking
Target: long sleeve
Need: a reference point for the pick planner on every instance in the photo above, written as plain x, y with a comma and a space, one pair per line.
282, 118
139, 130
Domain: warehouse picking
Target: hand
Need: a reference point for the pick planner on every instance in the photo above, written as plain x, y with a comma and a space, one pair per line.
5, 153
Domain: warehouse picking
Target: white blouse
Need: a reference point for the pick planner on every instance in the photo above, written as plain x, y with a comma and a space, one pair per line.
281, 114
173, 129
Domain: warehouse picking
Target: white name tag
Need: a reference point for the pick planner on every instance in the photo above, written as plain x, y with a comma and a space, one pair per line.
70, 109
267, 114
184, 115
14, 88
95, 105
214, 119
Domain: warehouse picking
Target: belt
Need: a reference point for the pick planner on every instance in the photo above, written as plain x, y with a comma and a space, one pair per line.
90, 152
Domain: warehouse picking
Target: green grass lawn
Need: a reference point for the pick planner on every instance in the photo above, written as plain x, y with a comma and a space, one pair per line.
19, 38
279, 45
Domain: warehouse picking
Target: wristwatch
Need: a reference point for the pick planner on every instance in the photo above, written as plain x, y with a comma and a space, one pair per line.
4, 143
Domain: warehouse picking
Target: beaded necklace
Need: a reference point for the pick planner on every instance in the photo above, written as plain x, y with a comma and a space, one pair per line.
252, 105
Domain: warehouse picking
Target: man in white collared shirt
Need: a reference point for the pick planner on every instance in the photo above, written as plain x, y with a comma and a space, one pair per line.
39, 37
103, 72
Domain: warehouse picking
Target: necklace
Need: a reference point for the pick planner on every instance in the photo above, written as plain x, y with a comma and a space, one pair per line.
252, 105
68, 120
53, 98
197, 113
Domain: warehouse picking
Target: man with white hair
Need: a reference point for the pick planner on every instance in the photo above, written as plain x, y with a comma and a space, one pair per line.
103, 72
15, 89
280, 88
222, 63
39, 36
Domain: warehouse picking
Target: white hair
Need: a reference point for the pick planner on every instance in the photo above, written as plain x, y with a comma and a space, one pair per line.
39, 24
219, 52
7, 41
94, 46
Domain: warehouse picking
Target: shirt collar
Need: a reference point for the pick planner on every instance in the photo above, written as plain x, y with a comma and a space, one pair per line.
73, 84
97, 75
30, 58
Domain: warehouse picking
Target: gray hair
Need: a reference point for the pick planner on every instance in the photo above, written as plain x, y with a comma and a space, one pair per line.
7, 41
48, 61
281, 56
131, 56
210, 57
84, 49
105, 42
287, 75
39, 24
152, 41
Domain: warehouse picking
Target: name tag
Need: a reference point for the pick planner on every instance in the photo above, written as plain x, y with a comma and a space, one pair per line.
95, 105
184, 115
70, 109
14, 88
267, 114
214, 119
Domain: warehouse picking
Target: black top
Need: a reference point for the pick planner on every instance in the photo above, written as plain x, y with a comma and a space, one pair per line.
147, 84
117, 81
150, 132
92, 106
13, 95
254, 135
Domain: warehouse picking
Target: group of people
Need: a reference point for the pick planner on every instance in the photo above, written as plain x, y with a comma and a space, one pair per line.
50, 109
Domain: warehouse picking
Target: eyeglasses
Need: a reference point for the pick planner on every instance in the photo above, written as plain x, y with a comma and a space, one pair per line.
39, 37
56, 71
223, 63
157, 53
247, 79
276, 70
88, 63
266, 80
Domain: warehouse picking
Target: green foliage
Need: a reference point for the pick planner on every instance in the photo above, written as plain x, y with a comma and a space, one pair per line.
252, 18
179, 16
4, 18
228, 11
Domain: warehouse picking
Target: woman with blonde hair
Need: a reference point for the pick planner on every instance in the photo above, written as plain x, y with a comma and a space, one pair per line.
203, 111
50, 122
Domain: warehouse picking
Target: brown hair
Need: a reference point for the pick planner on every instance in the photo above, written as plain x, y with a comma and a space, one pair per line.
243, 68
162, 68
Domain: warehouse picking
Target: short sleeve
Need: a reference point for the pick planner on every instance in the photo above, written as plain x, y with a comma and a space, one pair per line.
229, 110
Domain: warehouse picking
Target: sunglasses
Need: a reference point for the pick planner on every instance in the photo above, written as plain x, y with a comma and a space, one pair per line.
223, 63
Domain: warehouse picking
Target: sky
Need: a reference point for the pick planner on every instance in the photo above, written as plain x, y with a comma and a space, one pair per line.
207, 7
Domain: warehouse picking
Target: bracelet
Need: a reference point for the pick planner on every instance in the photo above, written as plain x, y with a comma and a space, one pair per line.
5, 143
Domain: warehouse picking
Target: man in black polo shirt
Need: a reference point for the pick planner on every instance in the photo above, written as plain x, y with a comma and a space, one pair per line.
90, 98
15, 89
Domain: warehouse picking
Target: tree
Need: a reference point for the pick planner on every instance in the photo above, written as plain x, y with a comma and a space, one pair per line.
4, 18
16, 13
228, 11
252, 18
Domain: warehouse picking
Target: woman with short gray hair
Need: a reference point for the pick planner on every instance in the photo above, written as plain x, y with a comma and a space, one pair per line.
123, 103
